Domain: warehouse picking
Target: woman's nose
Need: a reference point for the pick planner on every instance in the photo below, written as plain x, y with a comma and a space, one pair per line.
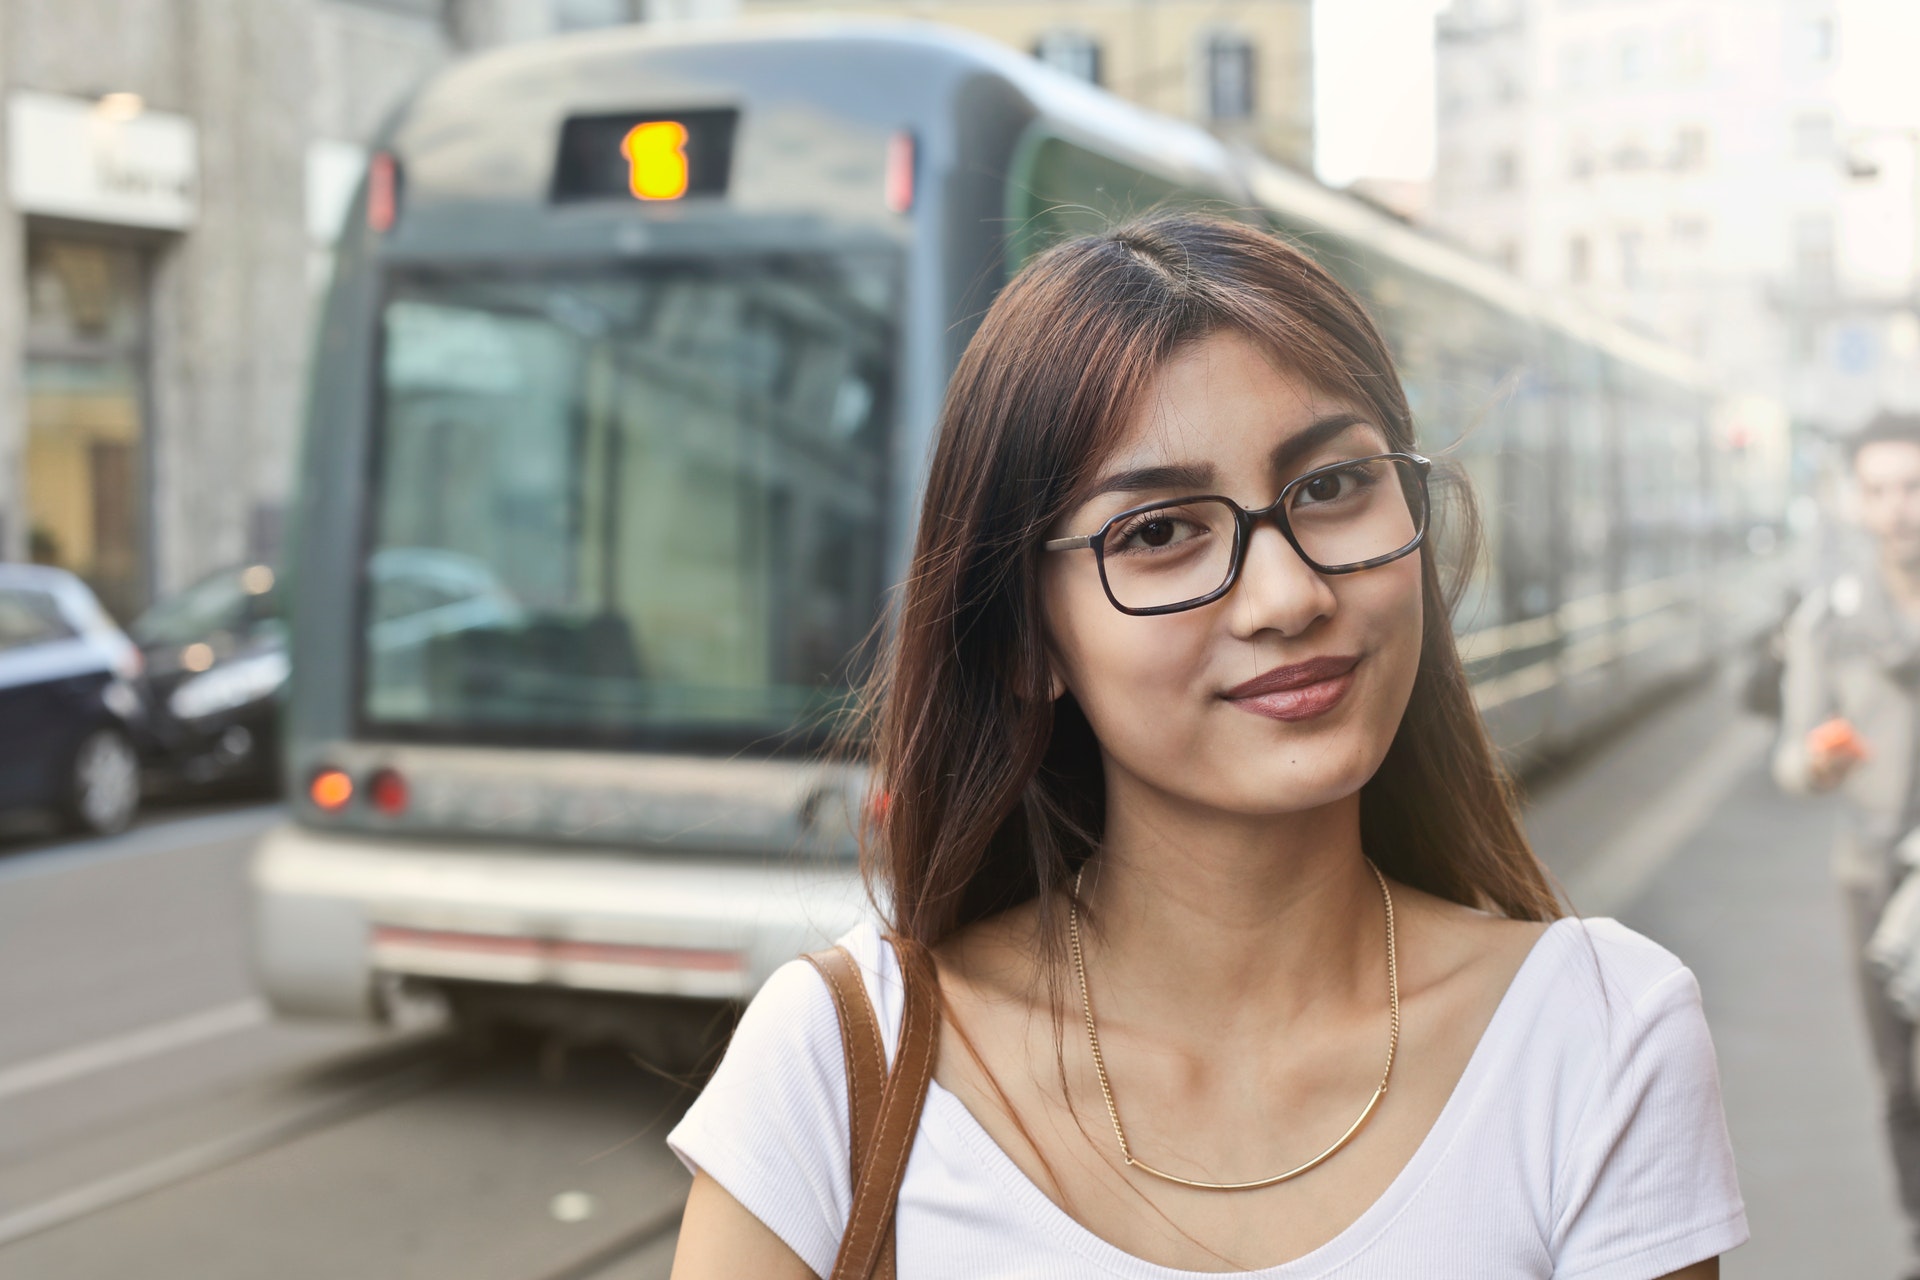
1278, 591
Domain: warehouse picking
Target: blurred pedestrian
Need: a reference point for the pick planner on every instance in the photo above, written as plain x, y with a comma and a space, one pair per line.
1191, 828
1850, 709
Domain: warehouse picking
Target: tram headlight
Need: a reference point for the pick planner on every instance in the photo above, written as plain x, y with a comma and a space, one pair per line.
230, 685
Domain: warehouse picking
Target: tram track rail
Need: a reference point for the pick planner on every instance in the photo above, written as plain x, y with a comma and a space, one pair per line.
399, 1071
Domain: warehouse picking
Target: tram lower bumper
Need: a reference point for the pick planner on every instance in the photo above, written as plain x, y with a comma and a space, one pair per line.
334, 914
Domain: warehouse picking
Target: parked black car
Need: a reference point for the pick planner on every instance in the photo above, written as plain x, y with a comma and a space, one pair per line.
73, 715
216, 659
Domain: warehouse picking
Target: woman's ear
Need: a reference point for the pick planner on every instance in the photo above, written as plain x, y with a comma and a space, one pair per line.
1056, 687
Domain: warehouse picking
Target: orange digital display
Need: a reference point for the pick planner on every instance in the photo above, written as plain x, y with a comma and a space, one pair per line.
653, 157
656, 155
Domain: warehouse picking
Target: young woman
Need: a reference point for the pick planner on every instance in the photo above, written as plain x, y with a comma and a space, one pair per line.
1245, 961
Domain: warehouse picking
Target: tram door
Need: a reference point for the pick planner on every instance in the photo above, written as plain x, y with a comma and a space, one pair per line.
86, 363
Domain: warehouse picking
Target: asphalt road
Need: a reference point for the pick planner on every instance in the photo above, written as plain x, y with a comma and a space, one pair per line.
154, 1122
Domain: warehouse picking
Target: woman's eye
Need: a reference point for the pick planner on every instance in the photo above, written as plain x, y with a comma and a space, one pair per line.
1335, 485
1321, 489
1154, 533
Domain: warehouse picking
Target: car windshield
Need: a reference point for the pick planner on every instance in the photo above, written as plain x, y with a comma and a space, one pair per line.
636, 505
29, 617
233, 601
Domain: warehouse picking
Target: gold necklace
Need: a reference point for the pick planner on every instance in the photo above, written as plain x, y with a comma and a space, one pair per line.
1106, 1086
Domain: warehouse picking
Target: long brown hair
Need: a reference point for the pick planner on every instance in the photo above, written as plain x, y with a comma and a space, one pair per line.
992, 790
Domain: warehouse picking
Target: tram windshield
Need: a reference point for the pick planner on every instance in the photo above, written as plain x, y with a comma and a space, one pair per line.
640, 504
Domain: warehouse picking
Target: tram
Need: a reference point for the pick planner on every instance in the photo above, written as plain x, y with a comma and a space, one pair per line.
623, 395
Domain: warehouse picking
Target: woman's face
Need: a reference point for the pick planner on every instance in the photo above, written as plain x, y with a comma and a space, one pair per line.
1197, 705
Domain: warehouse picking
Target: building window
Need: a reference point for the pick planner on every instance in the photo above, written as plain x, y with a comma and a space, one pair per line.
1229, 76
1632, 266
1506, 170
1688, 54
1690, 232
1631, 155
1813, 252
1812, 41
1813, 136
1690, 148
1633, 62
1579, 260
1073, 52
1576, 68
1580, 159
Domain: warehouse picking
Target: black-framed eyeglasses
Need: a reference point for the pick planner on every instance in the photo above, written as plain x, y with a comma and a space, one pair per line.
1181, 553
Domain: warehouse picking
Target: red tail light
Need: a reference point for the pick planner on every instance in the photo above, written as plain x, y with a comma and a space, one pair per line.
900, 160
388, 791
383, 192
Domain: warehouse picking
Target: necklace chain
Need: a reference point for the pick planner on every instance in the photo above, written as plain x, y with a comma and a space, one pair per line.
1106, 1085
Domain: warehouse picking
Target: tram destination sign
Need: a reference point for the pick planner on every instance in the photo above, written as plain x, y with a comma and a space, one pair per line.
645, 156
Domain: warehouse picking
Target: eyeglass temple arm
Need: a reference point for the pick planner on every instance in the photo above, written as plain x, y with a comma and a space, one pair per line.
1068, 544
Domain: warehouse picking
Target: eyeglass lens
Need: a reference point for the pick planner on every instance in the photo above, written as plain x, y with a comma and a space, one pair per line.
1341, 517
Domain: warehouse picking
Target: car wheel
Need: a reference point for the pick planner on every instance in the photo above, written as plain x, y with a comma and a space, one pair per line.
103, 787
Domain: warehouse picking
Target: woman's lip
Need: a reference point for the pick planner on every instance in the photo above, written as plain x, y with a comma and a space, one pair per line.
1296, 675
1301, 702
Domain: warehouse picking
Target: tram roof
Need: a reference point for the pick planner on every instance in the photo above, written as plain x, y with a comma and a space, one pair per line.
552, 73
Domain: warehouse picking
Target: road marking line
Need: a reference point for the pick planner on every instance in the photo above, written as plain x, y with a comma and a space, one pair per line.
159, 837
193, 1161
1620, 869
115, 1051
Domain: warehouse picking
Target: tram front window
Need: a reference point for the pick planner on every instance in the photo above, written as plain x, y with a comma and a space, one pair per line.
628, 506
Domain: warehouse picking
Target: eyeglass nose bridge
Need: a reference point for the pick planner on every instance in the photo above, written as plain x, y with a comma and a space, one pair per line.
1247, 522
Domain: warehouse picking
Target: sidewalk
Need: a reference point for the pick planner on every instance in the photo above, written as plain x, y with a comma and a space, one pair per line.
1747, 901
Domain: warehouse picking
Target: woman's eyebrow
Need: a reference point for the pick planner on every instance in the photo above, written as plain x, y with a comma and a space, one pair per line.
1179, 475
1312, 436
1199, 477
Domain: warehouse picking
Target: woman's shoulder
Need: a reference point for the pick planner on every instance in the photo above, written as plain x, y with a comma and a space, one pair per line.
794, 1009
1604, 1008
1596, 967
771, 1125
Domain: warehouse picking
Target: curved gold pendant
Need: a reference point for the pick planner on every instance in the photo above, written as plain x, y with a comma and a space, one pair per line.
1113, 1106
1134, 1162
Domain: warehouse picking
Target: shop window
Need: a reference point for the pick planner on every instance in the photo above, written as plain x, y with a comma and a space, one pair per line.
86, 375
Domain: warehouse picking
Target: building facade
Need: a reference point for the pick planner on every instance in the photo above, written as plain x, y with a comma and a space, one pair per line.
174, 174
1240, 68
1716, 172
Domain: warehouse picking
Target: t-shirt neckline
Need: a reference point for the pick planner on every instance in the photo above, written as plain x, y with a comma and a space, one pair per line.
1352, 1240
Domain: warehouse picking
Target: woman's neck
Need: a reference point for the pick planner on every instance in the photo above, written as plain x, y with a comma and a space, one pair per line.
1221, 922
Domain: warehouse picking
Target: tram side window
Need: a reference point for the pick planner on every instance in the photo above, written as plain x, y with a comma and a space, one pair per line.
1069, 191
639, 504
1589, 471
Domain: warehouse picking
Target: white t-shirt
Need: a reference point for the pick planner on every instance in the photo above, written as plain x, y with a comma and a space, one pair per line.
1584, 1139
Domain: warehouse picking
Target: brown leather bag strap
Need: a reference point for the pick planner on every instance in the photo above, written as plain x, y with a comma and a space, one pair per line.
860, 1047
867, 1248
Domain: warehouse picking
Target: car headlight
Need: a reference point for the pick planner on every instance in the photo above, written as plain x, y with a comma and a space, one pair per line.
231, 685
